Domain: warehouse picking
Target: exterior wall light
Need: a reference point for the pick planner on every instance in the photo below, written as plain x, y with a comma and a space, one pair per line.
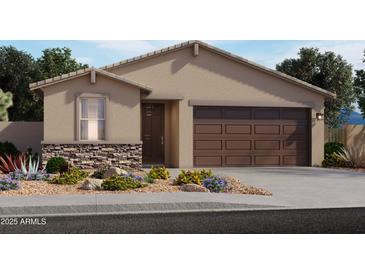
319, 116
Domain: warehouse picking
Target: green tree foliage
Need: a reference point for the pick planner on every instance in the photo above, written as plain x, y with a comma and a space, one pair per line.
328, 71
18, 69
359, 84
6, 101
57, 61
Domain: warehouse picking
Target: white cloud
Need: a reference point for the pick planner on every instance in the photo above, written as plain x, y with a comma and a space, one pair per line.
84, 60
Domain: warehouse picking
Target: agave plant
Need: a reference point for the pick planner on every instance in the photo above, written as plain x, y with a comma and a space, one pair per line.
10, 163
353, 155
29, 170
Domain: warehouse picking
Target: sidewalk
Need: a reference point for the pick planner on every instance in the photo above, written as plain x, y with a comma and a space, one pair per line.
132, 203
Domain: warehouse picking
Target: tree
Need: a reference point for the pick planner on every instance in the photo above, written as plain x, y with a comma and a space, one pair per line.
18, 69
6, 101
359, 84
330, 72
57, 61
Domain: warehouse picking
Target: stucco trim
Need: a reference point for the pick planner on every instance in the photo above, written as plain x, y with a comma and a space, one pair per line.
83, 72
226, 54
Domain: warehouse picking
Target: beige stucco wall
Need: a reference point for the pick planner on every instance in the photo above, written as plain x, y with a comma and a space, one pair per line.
122, 109
210, 79
23, 135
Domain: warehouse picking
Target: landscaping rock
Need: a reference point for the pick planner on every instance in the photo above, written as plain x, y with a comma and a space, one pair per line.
193, 188
91, 184
114, 171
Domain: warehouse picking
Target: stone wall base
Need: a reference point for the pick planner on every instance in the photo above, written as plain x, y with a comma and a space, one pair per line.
92, 156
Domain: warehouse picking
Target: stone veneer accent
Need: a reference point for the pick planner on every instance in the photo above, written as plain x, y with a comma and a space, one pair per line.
95, 155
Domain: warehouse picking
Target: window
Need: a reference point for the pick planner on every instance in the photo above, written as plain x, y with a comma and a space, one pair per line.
92, 119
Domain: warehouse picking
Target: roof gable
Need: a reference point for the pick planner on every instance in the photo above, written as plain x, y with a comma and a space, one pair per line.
225, 54
83, 72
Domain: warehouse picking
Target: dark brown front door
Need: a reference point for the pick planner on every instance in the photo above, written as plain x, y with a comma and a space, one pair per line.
153, 134
251, 136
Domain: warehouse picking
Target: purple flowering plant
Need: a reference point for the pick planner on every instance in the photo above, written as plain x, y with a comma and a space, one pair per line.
8, 183
215, 184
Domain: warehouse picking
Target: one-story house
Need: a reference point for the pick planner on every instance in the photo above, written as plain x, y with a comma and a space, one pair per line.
189, 105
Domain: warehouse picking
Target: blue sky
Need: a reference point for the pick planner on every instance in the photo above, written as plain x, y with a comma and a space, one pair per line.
264, 52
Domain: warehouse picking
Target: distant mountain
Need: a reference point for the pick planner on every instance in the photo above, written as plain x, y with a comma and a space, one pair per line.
356, 119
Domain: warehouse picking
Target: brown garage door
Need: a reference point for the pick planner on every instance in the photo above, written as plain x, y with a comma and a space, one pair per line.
250, 136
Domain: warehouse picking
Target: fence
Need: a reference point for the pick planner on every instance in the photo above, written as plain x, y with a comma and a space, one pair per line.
23, 135
349, 135
337, 135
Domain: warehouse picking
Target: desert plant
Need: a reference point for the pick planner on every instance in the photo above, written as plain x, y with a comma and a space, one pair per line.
330, 157
122, 183
159, 173
205, 174
71, 177
40, 175
215, 184
56, 165
9, 184
99, 173
148, 179
6, 101
354, 156
7, 148
192, 176
10, 163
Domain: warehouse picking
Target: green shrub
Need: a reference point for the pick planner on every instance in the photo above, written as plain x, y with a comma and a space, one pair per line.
193, 176
121, 183
159, 173
148, 179
98, 174
7, 148
71, 177
57, 165
331, 159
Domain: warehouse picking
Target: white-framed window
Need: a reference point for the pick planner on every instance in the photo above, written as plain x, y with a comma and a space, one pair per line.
92, 119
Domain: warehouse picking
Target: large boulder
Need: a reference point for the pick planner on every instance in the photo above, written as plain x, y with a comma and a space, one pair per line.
193, 188
91, 184
112, 171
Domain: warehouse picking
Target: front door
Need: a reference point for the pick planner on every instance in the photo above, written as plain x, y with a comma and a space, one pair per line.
153, 134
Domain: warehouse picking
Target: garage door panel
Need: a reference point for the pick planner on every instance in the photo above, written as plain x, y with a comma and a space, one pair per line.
267, 144
208, 113
251, 136
294, 129
238, 144
267, 129
208, 144
296, 145
238, 160
208, 129
294, 160
238, 129
266, 114
237, 113
294, 114
208, 161
267, 160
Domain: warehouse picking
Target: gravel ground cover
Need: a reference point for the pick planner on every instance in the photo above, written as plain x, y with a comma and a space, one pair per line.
45, 188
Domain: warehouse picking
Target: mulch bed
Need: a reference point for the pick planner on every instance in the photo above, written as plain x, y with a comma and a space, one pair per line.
44, 188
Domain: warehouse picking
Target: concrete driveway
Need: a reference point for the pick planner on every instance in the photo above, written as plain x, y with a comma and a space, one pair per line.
303, 187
